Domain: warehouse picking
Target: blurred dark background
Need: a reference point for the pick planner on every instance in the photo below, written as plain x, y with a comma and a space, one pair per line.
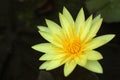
18, 32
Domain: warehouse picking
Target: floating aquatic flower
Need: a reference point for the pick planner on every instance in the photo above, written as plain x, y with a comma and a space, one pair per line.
73, 43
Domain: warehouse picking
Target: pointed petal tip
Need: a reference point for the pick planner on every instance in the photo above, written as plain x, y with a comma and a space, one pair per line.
111, 36
100, 71
66, 75
40, 59
91, 15
33, 47
46, 19
99, 15
93, 55
38, 27
101, 19
60, 14
82, 10
69, 68
94, 66
64, 8
40, 67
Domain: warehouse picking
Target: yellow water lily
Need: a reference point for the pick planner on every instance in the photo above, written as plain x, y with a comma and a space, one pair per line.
73, 43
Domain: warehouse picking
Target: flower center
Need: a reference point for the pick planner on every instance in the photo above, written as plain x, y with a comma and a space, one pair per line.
73, 46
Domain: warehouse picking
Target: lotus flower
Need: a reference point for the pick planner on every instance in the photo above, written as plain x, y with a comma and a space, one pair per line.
73, 43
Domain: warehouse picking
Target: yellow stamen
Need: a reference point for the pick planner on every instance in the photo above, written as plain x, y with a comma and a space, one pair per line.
72, 46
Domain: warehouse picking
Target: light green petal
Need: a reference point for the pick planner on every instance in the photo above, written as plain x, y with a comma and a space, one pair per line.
87, 28
52, 34
51, 56
54, 64
80, 21
55, 28
44, 47
46, 35
68, 16
65, 24
93, 55
96, 19
69, 67
99, 41
82, 60
43, 28
96, 26
51, 38
94, 29
94, 66
44, 65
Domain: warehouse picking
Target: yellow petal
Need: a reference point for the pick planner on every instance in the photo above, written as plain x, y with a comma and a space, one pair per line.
43, 28
99, 41
55, 28
44, 47
94, 29
51, 38
65, 25
82, 60
87, 28
44, 65
94, 66
80, 21
68, 16
51, 56
93, 55
69, 67
46, 35
54, 64
96, 19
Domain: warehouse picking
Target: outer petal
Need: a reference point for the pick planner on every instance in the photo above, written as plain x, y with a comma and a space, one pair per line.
69, 67
51, 38
43, 28
57, 32
55, 28
46, 35
44, 65
94, 29
44, 47
96, 19
82, 60
93, 55
51, 56
87, 28
80, 21
68, 16
65, 25
94, 66
99, 41
54, 64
